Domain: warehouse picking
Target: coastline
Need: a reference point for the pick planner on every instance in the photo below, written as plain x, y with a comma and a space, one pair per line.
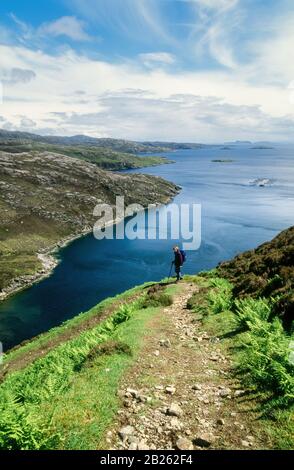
50, 260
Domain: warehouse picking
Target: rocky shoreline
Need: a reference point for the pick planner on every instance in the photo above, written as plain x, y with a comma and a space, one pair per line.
50, 261
56, 195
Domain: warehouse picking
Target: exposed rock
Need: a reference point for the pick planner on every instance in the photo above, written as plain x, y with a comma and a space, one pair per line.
196, 387
174, 410
239, 393
126, 432
159, 387
170, 390
143, 445
133, 446
175, 424
132, 393
245, 444
184, 444
133, 440
224, 393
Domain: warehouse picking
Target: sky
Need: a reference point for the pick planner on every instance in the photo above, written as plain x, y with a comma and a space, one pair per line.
172, 70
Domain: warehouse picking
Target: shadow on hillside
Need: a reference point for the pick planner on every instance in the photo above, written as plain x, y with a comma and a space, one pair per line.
232, 333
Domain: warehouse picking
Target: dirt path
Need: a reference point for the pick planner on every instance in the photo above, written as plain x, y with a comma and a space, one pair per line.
181, 394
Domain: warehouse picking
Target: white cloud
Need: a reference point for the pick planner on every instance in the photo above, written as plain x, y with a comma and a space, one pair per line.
274, 55
68, 26
217, 4
213, 33
177, 117
26, 123
155, 58
128, 101
218, 45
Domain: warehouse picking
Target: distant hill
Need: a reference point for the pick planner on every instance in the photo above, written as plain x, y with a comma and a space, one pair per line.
105, 158
239, 142
118, 145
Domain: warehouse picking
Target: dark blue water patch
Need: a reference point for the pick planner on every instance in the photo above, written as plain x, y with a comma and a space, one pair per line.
236, 217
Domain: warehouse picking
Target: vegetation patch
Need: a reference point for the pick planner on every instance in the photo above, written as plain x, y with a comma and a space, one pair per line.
108, 348
267, 272
261, 349
157, 297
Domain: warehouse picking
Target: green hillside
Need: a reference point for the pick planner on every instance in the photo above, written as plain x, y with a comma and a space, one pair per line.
163, 366
267, 271
103, 157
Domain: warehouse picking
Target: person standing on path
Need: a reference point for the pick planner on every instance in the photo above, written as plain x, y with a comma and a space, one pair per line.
178, 262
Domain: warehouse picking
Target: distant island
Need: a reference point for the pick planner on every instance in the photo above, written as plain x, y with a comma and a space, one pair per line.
262, 147
239, 142
223, 161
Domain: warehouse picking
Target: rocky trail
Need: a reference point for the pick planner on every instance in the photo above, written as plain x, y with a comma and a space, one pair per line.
181, 393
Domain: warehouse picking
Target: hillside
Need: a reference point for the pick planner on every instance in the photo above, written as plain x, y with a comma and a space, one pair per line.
266, 271
103, 157
117, 145
163, 366
48, 197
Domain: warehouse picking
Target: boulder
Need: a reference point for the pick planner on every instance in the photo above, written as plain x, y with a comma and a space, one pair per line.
184, 444
174, 410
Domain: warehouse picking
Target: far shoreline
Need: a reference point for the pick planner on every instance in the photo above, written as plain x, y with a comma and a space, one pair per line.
50, 259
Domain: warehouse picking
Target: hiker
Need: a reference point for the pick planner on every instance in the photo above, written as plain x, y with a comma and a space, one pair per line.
178, 262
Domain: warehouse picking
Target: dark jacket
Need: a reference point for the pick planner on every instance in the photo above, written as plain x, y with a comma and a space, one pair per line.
178, 259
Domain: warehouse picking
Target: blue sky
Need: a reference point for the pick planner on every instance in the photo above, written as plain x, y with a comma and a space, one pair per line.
197, 70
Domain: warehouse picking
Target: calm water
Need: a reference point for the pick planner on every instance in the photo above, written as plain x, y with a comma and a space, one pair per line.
236, 217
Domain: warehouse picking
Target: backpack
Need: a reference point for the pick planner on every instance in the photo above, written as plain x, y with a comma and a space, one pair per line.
184, 255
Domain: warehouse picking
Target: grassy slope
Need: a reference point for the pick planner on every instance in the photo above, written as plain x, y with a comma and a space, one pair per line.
71, 392
75, 395
105, 158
